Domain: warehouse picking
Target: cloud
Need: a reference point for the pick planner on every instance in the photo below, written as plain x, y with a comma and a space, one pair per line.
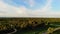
47, 7
51, 13
31, 2
9, 10
43, 11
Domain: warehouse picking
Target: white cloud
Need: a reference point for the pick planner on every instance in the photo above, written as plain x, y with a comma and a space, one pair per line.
7, 10
46, 7
43, 11
31, 2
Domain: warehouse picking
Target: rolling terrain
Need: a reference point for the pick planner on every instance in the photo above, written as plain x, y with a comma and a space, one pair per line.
28, 25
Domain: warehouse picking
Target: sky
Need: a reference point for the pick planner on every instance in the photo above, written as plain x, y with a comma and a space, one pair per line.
29, 8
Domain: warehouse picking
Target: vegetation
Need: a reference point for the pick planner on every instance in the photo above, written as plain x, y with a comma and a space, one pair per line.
26, 23
50, 30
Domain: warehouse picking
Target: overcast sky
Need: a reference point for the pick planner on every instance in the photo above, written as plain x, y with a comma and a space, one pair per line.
29, 8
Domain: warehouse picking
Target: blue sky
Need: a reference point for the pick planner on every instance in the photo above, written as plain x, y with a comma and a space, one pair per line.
56, 5
29, 8
26, 3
